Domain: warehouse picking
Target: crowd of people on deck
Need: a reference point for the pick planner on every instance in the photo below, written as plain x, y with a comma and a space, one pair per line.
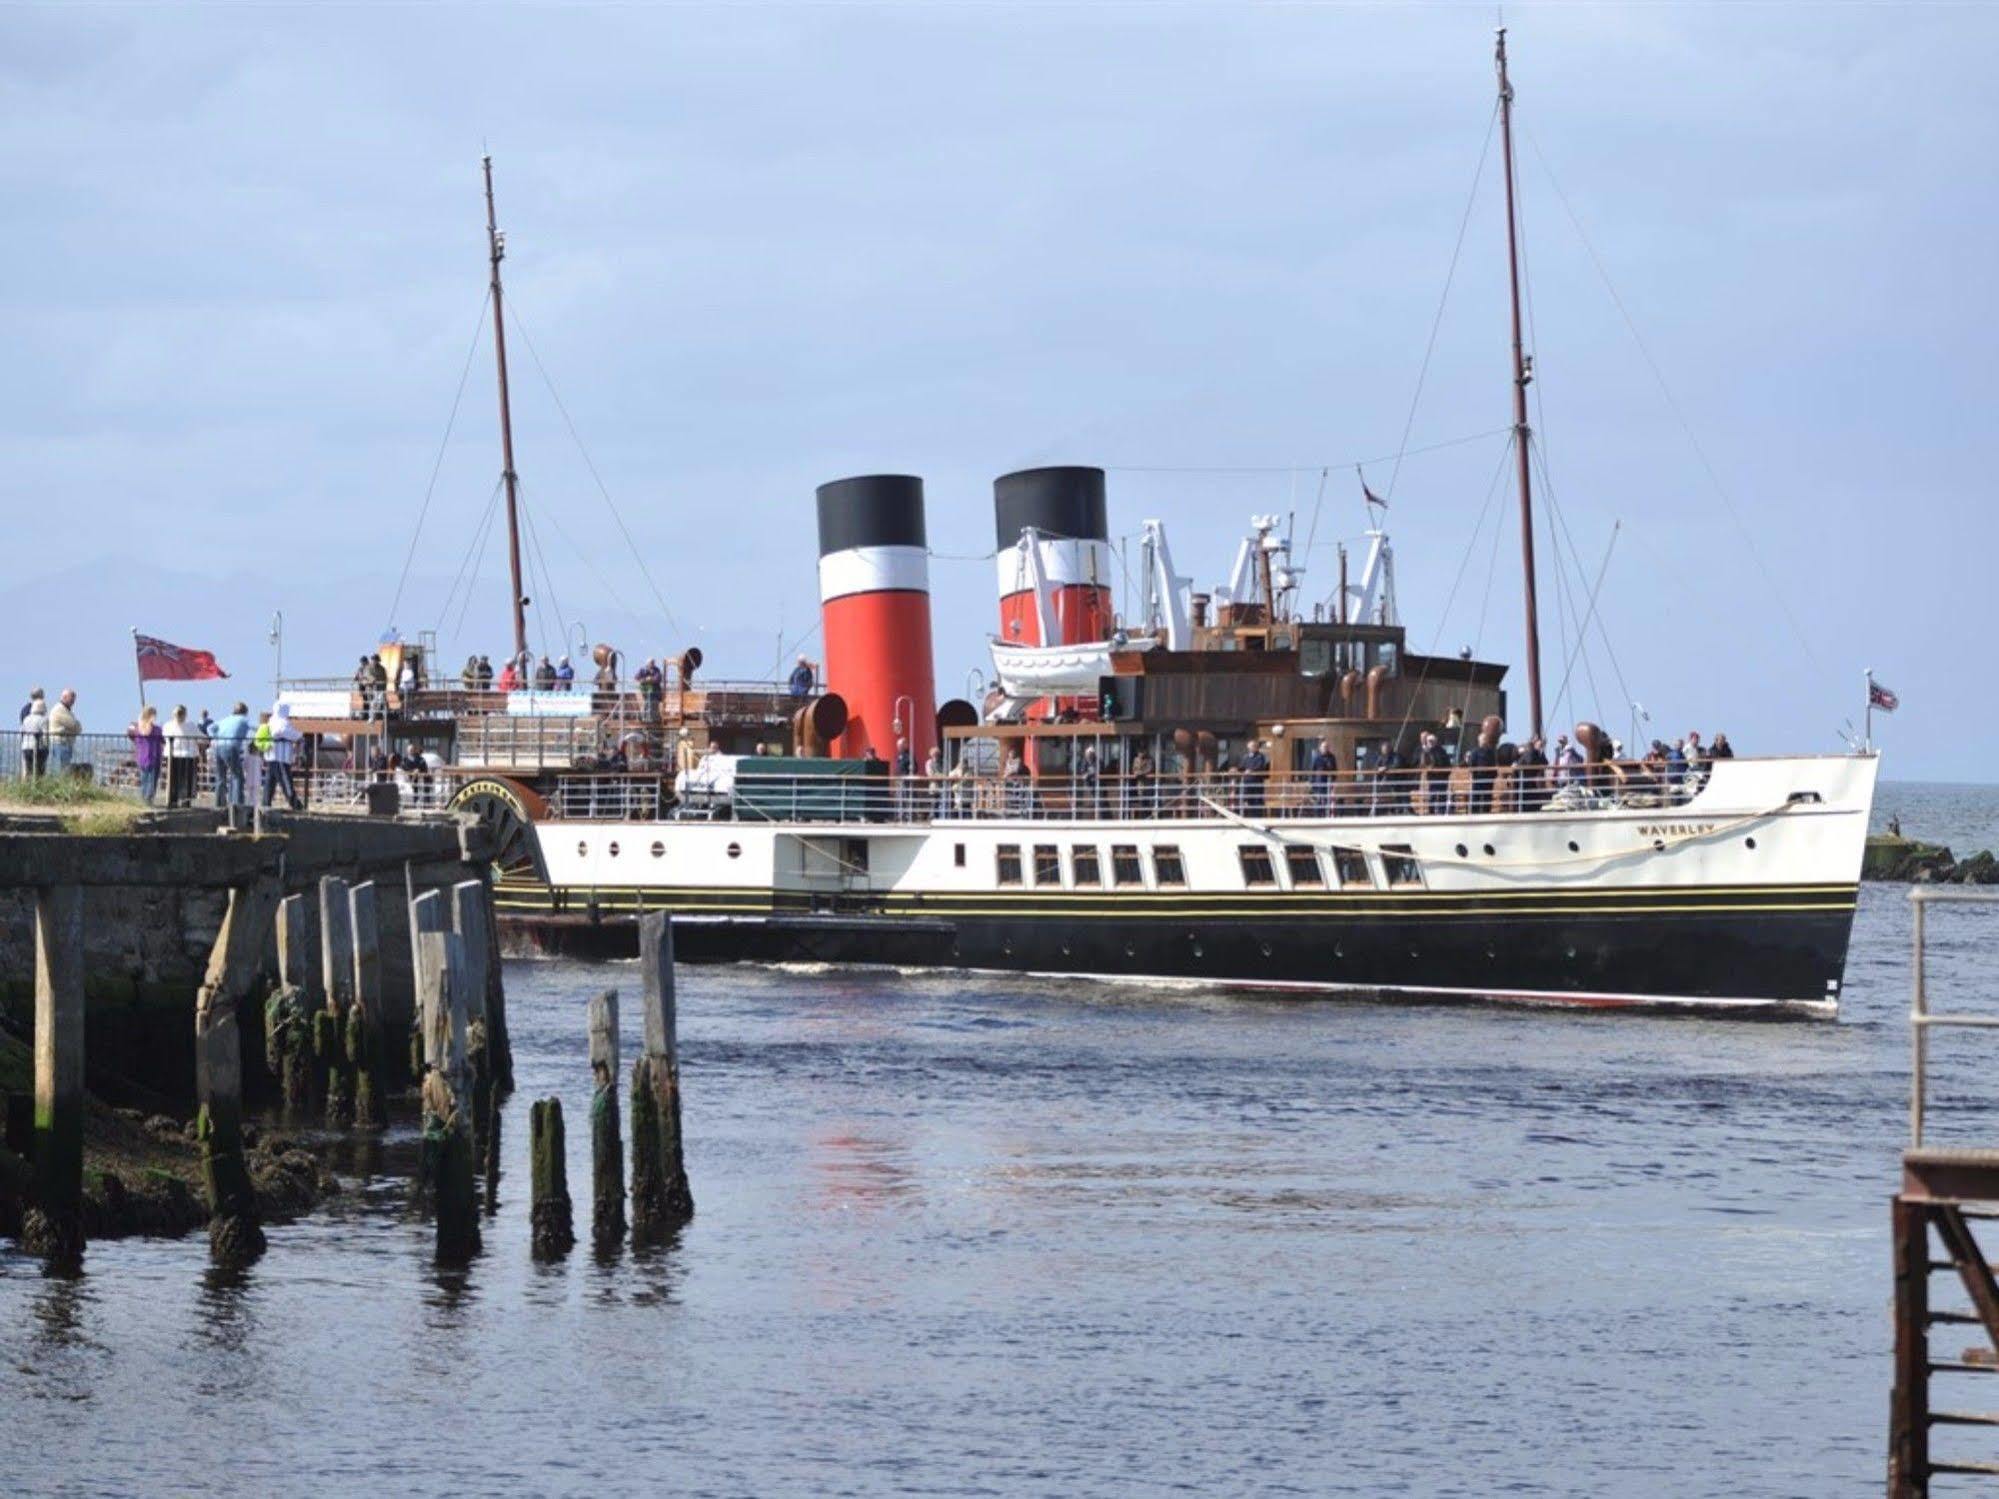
1455, 769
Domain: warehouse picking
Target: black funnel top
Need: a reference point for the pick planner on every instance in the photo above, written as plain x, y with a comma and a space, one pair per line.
874, 510
1055, 501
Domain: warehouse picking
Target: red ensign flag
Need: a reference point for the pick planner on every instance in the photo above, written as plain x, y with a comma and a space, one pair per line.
163, 661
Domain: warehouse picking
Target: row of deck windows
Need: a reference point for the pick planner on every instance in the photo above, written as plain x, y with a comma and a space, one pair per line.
1302, 866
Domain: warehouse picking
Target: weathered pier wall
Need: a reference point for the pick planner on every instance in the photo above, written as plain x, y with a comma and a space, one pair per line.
147, 946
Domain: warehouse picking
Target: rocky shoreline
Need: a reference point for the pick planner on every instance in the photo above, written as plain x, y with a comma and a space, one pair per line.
142, 1172
1893, 859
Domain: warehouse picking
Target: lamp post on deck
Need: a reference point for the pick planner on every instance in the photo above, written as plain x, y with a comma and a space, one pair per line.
277, 640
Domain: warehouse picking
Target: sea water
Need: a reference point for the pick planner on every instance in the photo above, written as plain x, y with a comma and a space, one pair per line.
991, 1236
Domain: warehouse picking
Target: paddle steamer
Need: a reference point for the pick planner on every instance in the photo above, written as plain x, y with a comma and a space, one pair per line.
1103, 813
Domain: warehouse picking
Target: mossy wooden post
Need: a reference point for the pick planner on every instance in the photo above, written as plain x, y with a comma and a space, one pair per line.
287, 1025
234, 1235
472, 921
53, 1224
661, 1200
336, 968
499, 1043
428, 913
551, 1219
365, 1051
607, 1147
447, 1094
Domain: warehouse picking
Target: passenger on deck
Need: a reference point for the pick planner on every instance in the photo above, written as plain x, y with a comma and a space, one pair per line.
1436, 767
565, 675
1089, 774
1255, 779
802, 677
1483, 758
1722, 749
485, 675
1391, 784
1325, 770
1532, 770
1142, 789
544, 675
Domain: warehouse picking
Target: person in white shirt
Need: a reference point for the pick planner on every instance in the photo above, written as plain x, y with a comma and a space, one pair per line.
183, 750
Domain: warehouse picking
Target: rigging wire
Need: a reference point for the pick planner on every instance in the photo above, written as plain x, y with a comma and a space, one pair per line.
1318, 502
1673, 405
1300, 468
547, 582
437, 466
476, 541
514, 307
1603, 630
1437, 323
478, 561
1464, 561
1595, 590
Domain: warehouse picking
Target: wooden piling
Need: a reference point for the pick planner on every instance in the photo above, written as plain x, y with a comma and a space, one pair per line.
52, 1226
235, 1237
661, 1199
428, 913
472, 921
551, 1220
498, 1040
288, 1039
365, 1049
607, 1148
447, 1094
336, 968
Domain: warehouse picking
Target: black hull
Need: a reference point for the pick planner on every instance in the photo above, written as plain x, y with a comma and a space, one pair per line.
1712, 952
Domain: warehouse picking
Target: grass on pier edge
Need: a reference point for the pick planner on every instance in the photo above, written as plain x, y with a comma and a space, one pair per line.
85, 807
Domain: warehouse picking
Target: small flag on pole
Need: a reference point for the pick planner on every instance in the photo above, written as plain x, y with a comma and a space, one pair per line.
1367, 494
1880, 697
162, 661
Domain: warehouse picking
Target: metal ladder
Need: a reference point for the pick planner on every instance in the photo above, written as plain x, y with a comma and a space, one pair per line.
1948, 1189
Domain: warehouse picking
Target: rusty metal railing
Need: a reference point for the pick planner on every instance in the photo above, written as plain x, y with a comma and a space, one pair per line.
1922, 1019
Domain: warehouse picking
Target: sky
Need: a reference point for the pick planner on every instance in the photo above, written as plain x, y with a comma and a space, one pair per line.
757, 247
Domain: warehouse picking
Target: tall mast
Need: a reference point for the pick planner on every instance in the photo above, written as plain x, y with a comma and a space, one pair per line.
1523, 371
496, 243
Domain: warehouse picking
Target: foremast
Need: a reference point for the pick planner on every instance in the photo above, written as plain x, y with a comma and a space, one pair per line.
496, 244
1523, 372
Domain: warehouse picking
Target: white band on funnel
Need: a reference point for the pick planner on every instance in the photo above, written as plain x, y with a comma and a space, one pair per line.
1065, 562
873, 570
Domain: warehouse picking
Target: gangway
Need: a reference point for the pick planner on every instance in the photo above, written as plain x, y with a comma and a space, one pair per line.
1948, 1189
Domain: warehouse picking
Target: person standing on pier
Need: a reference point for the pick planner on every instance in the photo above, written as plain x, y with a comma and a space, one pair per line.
232, 738
148, 744
279, 758
35, 737
183, 747
64, 727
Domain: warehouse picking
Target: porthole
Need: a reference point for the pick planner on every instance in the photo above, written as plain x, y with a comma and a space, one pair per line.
1488, 850
614, 848
1462, 851
735, 850
1750, 841
1575, 847
1658, 845
659, 850
582, 849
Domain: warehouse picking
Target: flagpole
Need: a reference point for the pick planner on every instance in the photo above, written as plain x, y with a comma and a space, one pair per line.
1868, 739
137, 668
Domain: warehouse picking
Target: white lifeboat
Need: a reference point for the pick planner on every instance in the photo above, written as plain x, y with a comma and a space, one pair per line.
1028, 671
